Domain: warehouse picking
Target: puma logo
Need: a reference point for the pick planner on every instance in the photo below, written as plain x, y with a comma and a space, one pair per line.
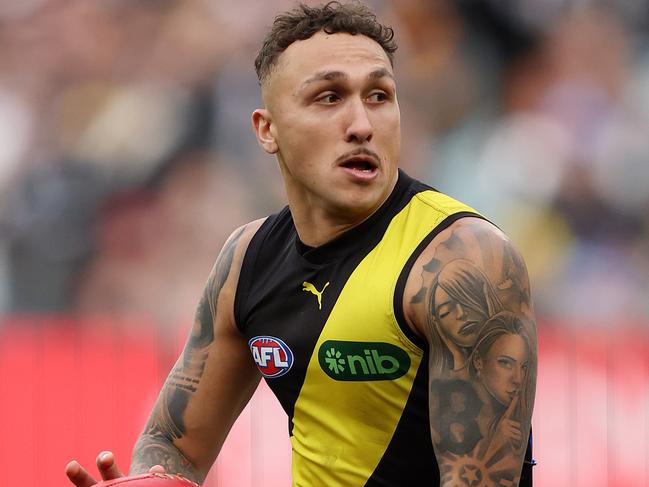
307, 286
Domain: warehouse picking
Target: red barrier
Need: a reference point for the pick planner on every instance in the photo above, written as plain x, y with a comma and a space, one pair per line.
591, 418
70, 387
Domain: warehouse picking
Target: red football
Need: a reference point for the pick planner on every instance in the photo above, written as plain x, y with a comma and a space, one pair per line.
148, 480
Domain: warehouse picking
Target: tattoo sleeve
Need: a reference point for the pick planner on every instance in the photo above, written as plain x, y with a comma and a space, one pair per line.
166, 423
475, 297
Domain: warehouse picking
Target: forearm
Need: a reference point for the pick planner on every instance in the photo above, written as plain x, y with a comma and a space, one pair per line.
153, 450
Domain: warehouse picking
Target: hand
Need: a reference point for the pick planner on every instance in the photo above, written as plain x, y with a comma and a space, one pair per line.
509, 427
107, 469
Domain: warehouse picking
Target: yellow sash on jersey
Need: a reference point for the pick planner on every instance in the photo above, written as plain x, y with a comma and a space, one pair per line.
345, 415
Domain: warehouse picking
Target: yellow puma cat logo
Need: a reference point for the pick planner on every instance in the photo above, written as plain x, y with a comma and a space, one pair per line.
307, 286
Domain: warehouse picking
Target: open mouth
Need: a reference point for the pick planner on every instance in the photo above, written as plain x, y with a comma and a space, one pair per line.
362, 163
359, 164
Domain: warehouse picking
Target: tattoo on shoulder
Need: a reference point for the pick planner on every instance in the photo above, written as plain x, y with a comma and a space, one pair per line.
167, 421
453, 245
482, 357
203, 333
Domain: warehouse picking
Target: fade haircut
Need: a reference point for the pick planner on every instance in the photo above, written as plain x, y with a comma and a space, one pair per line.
333, 17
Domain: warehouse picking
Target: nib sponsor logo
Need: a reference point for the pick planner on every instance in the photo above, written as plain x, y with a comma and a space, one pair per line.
273, 357
362, 361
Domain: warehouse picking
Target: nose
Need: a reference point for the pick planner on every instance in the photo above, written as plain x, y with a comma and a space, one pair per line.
459, 312
359, 127
517, 376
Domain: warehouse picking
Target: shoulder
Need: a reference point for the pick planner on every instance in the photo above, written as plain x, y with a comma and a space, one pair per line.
473, 258
236, 245
242, 236
224, 276
429, 195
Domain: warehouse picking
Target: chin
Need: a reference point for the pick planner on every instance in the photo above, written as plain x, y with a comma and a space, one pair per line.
362, 206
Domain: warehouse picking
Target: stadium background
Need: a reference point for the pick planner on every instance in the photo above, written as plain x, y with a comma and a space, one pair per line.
126, 158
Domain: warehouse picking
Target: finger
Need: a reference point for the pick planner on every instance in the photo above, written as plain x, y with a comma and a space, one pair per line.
78, 475
512, 406
506, 424
157, 469
107, 466
515, 433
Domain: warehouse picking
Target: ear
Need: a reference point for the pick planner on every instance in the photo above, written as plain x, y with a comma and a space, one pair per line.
262, 125
477, 362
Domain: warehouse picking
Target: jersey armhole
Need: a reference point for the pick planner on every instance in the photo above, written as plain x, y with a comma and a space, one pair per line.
246, 273
405, 272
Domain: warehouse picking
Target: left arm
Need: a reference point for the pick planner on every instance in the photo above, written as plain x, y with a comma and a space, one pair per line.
468, 295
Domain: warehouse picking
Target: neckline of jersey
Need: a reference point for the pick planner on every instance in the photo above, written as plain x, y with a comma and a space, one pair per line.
359, 236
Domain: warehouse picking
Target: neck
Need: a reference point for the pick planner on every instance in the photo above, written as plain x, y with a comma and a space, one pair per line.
318, 223
316, 227
319, 220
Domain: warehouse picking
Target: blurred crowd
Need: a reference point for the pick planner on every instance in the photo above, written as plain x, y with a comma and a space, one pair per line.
127, 158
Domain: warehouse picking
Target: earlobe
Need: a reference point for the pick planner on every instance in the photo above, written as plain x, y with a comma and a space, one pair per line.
262, 126
477, 363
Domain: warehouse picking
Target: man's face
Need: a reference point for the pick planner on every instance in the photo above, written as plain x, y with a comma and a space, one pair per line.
335, 122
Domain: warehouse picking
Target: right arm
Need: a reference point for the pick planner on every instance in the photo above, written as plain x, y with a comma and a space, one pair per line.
210, 383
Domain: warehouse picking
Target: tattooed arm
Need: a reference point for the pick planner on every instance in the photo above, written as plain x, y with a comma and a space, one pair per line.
210, 383
206, 390
468, 295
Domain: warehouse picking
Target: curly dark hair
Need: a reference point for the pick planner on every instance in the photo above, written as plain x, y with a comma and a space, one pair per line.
304, 21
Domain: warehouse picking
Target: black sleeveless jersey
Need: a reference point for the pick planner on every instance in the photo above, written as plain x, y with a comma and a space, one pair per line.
326, 328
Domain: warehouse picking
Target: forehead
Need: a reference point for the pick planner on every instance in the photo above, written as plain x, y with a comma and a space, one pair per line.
512, 345
343, 52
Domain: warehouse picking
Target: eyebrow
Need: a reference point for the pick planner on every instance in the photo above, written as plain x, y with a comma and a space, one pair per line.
339, 75
380, 73
504, 355
445, 303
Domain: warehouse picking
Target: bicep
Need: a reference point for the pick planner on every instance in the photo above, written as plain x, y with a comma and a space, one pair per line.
469, 296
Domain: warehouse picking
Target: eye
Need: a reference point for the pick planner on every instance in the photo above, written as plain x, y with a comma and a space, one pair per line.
328, 98
377, 96
444, 310
505, 363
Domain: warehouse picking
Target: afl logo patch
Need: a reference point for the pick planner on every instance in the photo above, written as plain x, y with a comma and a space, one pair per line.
272, 356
